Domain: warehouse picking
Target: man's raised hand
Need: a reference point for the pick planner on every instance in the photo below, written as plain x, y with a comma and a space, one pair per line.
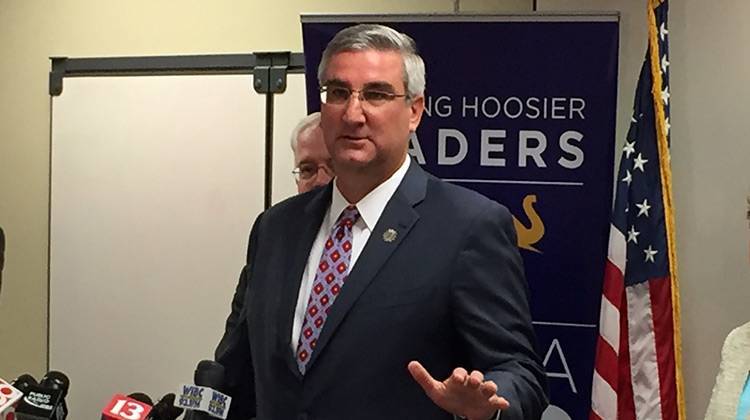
463, 394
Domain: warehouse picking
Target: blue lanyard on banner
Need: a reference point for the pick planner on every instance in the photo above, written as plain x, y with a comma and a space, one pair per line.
743, 408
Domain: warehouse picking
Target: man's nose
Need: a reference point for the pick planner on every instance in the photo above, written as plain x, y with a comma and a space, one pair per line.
353, 112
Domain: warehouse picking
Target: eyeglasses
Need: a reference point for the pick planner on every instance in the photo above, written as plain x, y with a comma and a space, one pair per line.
308, 171
339, 95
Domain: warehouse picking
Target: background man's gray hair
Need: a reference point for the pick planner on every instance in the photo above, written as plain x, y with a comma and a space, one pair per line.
379, 38
305, 123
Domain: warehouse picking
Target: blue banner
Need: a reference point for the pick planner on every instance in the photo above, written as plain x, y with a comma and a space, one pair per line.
522, 109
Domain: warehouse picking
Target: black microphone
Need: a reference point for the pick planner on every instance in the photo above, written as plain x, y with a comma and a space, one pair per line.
23, 382
165, 409
204, 400
140, 396
58, 381
136, 406
45, 400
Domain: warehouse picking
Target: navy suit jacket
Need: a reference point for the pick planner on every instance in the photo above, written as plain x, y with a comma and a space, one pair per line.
449, 291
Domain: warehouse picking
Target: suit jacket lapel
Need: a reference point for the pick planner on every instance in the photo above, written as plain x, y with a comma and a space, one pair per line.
398, 215
303, 236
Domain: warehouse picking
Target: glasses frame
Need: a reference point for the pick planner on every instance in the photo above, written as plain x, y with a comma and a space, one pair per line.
297, 172
390, 96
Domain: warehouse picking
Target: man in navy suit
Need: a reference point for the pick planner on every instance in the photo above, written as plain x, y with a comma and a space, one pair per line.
358, 295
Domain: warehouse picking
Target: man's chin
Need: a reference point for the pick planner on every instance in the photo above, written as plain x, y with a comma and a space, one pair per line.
354, 164
354, 159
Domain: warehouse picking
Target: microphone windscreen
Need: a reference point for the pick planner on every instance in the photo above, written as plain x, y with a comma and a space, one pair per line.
140, 396
23, 382
210, 374
56, 380
168, 399
136, 406
165, 409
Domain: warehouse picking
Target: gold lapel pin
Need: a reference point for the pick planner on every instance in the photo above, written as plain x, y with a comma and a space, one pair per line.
390, 235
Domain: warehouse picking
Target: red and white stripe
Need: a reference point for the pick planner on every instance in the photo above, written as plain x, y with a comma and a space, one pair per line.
635, 346
604, 401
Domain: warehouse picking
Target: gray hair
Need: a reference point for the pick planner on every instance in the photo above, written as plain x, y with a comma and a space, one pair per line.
305, 123
380, 38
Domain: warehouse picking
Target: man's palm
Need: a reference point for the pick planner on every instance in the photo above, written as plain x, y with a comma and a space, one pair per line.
463, 394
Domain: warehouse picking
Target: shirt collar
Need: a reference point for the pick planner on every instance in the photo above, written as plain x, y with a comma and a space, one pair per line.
372, 205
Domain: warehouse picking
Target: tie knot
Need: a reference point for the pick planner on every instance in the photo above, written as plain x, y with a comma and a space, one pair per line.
348, 217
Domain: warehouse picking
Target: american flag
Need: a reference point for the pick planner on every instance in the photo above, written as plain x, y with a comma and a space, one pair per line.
637, 371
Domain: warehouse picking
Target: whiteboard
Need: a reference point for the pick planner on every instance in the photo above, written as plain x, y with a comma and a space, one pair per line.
155, 183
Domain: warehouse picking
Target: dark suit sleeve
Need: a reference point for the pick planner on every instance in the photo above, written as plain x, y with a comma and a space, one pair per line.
233, 351
235, 320
491, 313
238, 300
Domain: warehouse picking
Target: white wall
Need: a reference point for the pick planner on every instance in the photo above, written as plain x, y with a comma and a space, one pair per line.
710, 89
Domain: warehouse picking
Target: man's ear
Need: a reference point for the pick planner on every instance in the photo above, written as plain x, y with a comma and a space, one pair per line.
417, 108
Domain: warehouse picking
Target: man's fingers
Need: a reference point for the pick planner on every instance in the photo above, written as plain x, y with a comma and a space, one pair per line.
461, 391
499, 403
488, 389
475, 379
459, 376
423, 378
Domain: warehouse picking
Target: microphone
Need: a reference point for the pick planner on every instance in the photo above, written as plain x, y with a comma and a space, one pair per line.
205, 400
9, 395
45, 400
22, 383
58, 381
165, 409
135, 406
140, 396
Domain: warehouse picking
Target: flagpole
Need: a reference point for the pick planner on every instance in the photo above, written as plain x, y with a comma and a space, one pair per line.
666, 185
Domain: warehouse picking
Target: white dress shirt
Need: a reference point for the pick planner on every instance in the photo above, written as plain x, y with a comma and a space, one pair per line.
370, 209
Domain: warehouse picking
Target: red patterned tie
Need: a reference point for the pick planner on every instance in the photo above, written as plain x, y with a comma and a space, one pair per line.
332, 272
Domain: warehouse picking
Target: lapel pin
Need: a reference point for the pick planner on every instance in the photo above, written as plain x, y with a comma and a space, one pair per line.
390, 235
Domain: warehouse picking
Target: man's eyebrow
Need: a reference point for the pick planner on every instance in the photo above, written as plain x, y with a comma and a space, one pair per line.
376, 85
336, 82
384, 86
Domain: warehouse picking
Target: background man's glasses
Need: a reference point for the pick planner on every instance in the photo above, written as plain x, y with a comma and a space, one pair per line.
306, 172
339, 95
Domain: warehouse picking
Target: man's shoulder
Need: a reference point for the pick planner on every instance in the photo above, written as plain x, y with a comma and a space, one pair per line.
297, 203
290, 211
